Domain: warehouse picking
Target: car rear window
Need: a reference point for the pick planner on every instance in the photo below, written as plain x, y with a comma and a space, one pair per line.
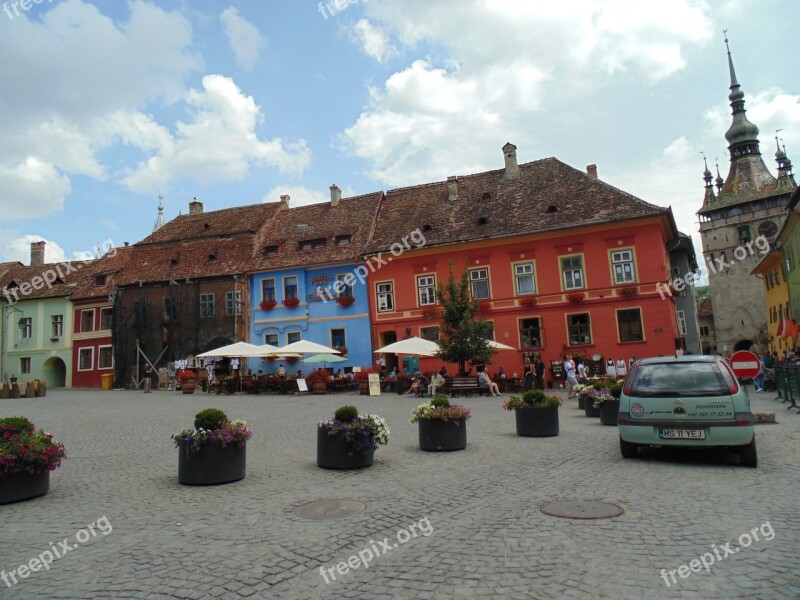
679, 379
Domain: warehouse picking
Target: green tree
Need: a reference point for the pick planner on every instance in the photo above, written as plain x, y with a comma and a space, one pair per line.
463, 338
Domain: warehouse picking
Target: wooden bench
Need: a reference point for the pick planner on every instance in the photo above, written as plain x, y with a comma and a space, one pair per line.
459, 385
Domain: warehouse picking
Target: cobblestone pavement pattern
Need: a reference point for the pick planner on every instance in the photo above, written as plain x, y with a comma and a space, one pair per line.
489, 538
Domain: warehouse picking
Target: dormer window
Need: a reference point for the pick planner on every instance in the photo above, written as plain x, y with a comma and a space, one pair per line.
212, 257
99, 279
173, 262
483, 220
206, 226
270, 250
312, 244
343, 240
487, 196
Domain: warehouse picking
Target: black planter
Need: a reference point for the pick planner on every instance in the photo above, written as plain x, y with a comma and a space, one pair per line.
609, 411
332, 453
212, 464
537, 422
23, 486
436, 435
580, 402
589, 409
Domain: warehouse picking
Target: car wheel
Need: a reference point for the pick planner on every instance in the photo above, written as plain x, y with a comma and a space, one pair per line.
748, 457
628, 450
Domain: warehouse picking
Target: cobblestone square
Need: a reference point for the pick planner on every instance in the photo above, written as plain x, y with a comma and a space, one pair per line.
487, 536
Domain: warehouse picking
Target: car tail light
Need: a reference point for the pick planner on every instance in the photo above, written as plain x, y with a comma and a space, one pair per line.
743, 423
626, 387
624, 422
730, 378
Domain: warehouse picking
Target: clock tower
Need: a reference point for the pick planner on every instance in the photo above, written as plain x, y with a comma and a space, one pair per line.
738, 224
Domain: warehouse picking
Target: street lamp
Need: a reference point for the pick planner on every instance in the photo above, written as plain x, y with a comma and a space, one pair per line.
8, 310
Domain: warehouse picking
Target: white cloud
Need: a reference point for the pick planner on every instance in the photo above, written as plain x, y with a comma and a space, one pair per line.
451, 112
219, 144
19, 249
31, 189
244, 37
373, 40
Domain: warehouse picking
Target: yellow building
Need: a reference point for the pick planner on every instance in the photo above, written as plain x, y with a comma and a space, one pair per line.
770, 270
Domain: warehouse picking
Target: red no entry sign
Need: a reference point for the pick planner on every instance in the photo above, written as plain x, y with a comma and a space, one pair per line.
745, 364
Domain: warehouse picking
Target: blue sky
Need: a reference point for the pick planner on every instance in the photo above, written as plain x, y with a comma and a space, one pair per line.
105, 105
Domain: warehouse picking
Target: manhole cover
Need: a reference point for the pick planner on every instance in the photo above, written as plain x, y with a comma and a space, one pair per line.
320, 510
581, 509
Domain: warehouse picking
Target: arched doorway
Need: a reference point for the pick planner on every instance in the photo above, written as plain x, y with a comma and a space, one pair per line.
54, 372
742, 345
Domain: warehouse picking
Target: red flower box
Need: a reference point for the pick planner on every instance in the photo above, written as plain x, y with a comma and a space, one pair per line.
291, 302
345, 301
267, 304
576, 296
529, 301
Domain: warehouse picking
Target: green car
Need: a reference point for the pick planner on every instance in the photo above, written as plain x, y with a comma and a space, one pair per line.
690, 401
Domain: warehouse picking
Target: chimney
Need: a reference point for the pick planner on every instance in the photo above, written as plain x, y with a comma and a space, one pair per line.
37, 253
592, 171
127, 244
285, 200
336, 195
195, 207
452, 188
510, 155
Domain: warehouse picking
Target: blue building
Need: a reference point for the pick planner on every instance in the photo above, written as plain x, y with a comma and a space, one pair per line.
307, 280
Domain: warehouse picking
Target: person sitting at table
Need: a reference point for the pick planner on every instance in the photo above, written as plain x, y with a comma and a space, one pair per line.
501, 373
485, 382
437, 383
338, 374
416, 386
389, 381
299, 373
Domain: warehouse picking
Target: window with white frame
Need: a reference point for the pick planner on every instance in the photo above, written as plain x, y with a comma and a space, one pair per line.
233, 303
106, 318
338, 338
629, 322
26, 328
292, 337
206, 305
56, 326
385, 295
347, 290
87, 320
681, 322
523, 277
479, 283
579, 329
85, 359
290, 287
25, 364
572, 272
426, 289
704, 330
105, 357
268, 289
271, 339
622, 264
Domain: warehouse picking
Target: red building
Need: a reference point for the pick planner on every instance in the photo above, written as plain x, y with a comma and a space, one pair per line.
562, 263
92, 300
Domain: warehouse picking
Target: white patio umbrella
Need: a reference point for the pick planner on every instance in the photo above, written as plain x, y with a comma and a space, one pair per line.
305, 347
239, 349
412, 345
265, 349
499, 346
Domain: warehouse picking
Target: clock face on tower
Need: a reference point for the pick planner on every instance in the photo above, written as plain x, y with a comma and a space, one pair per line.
767, 229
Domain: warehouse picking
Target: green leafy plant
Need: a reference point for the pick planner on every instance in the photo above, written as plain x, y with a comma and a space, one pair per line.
532, 400
346, 413
209, 419
438, 401
25, 450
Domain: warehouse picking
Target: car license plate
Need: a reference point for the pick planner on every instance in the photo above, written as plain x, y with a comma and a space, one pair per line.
682, 434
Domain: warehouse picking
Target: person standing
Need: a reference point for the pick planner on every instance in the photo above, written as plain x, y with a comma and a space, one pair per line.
148, 374
281, 371
538, 368
527, 374
758, 380
569, 373
582, 373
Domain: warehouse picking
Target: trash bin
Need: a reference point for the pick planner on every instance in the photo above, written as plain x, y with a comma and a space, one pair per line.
106, 381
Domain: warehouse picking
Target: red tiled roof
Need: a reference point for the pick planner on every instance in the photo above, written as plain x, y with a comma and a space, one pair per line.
704, 308
108, 265
64, 277
229, 222
352, 217
188, 259
546, 195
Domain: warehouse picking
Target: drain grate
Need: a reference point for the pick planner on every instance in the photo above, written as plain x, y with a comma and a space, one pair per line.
581, 509
320, 510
